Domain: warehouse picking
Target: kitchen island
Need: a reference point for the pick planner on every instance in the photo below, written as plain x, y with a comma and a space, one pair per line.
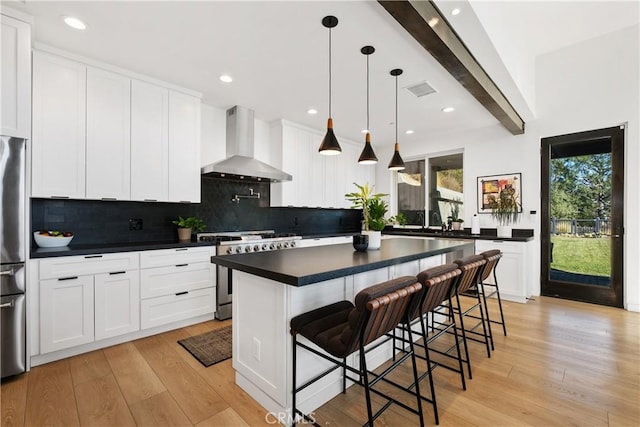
269, 288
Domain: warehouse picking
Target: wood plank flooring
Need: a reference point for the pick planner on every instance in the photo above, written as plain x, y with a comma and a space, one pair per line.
563, 363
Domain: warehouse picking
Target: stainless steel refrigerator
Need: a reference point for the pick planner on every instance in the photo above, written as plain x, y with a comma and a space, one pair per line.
12, 256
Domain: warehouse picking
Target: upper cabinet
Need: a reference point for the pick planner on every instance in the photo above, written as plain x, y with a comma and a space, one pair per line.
318, 180
100, 134
108, 135
184, 148
15, 76
59, 127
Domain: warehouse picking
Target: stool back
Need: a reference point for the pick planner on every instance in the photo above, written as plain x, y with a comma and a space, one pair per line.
491, 257
471, 267
437, 285
379, 309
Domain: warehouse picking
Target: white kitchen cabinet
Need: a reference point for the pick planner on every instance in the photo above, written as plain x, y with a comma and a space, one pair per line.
59, 124
184, 148
176, 284
149, 142
108, 167
66, 312
318, 181
15, 75
513, 271
117, 303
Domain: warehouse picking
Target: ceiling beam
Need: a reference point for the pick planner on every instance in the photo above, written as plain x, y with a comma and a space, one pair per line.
423, 21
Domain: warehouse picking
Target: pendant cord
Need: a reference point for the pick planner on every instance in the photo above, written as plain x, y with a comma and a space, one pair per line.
396, 109
368, 130
329, 72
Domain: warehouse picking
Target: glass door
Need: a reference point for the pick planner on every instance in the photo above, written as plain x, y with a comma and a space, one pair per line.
582, 207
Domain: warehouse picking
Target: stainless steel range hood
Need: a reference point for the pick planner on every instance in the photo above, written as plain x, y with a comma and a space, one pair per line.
240, 163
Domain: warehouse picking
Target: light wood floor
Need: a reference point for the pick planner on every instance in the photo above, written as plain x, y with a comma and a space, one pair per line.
563, 363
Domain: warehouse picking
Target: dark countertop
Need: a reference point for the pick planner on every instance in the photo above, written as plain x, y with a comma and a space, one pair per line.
304, 266
111, 248
518, 235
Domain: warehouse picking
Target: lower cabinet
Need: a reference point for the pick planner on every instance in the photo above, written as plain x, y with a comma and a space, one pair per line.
179, 306
116, 304
513, 270
66, 313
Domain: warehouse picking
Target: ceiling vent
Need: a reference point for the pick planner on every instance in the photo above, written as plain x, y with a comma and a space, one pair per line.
420, 89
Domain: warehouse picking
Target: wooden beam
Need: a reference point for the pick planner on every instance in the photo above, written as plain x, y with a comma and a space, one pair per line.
424, 22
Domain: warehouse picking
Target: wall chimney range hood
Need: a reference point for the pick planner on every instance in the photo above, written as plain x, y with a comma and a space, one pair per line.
240, 163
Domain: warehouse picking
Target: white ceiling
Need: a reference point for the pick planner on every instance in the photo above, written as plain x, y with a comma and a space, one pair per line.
277, 53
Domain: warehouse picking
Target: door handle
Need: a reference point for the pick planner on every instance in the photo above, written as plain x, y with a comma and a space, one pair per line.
616, 235
6, 273
7, 304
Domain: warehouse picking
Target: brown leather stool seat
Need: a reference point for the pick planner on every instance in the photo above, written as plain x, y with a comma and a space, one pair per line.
342, 328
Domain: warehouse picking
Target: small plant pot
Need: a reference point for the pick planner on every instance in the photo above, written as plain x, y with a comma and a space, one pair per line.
504, 231
456, 225
360, 242
184, 234
375, 237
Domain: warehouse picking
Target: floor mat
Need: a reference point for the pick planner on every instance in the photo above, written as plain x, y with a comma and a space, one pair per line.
211, 347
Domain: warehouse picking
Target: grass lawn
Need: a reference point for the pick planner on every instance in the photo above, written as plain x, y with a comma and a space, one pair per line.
584, 255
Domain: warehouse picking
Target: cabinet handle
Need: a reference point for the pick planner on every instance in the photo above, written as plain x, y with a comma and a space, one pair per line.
117, 272
185, 201
150, 200
181, 265
67, 278
182, 293
498, 241
93, 256
59, 197
109, 198
182, 249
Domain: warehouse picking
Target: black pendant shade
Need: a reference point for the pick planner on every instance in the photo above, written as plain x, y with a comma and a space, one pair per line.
330, 145
396, 163
367, 157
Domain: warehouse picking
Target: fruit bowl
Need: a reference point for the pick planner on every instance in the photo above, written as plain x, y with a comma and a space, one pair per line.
44, 241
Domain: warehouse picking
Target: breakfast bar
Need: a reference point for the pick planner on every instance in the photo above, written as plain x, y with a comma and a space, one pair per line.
269, 288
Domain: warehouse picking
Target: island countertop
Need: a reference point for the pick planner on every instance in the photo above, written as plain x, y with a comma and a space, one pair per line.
304, 266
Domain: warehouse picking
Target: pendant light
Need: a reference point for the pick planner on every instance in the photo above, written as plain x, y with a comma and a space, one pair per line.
367, 157
396, 163
330, 144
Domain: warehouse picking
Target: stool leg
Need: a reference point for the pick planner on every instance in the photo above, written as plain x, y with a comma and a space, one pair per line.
480, 288
504, 325
344, 375
464, 335
455, 335
365, 380
417, 380
484, 326
294, 413
431, 385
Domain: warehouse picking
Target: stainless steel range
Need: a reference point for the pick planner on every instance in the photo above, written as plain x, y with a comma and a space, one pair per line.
241, 242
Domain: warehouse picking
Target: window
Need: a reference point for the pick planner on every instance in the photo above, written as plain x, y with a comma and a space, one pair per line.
445, 188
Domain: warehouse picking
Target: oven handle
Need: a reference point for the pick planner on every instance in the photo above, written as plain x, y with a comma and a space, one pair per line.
9, 304
9, 272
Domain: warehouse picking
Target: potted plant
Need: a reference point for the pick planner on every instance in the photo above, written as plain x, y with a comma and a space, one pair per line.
188, 226
456, 221
374, 208
505, 208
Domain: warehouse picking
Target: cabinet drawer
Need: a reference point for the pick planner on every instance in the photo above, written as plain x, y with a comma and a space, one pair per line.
504, 246
162, 281
167, 257
171, 308
53, 268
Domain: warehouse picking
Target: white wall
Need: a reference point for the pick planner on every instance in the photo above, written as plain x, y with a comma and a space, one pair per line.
594, 85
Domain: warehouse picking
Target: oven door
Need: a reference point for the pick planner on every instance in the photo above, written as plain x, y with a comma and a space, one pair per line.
224, 292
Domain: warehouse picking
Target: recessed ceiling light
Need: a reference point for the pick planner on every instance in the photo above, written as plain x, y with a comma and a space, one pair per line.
408, 131
312, 111
455, 11
225, 78
74, 22
448, 109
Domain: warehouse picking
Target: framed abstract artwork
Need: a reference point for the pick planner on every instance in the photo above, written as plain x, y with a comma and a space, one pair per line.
490, 186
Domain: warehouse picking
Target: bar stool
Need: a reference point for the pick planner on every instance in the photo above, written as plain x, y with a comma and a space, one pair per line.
343, 328
438, 284
492, 257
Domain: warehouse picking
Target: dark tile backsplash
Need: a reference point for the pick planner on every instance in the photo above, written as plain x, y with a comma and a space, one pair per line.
94, 221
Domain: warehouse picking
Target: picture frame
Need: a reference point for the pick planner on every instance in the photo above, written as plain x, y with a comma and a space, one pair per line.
491, 185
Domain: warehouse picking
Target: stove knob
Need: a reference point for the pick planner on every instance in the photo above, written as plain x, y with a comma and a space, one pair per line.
239, 249
272, 246
256, 248
229, 250
265, 246
292, 244
247, 248
285, 245
279, 245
